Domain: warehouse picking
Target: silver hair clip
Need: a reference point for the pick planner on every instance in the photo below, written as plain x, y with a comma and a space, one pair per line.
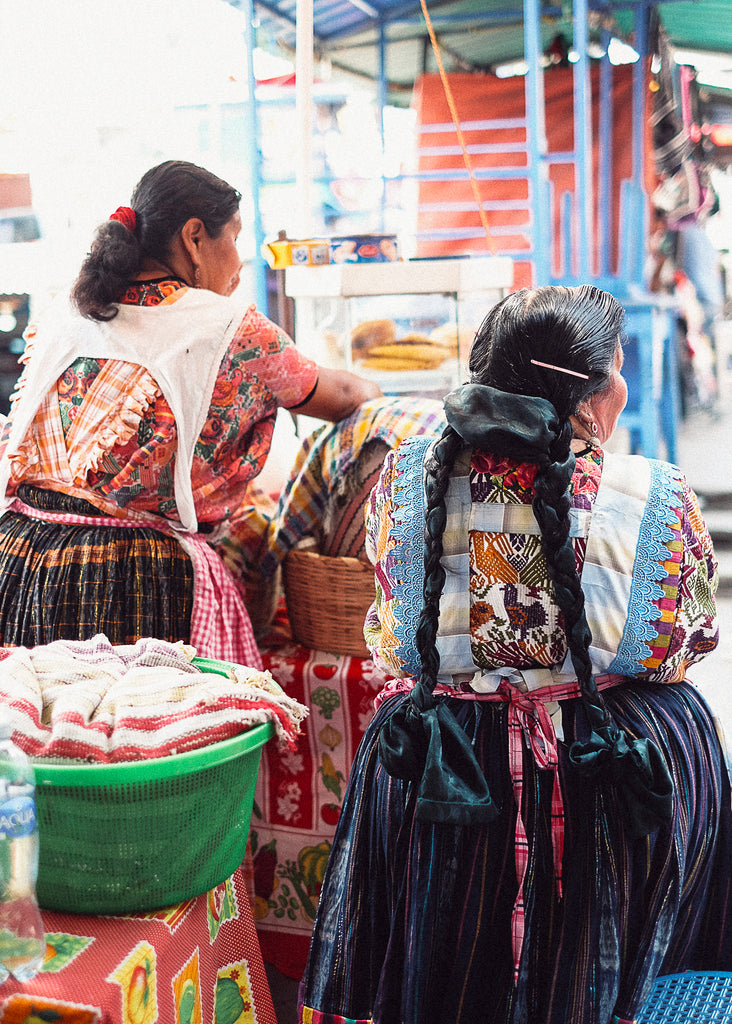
560, 369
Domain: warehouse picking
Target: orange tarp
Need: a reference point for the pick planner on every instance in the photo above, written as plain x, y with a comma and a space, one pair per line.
483, 97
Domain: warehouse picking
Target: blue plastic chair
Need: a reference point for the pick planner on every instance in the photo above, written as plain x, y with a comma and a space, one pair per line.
695, 997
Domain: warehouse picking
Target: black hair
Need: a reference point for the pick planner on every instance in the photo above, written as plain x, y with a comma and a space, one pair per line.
575, 328
163, 200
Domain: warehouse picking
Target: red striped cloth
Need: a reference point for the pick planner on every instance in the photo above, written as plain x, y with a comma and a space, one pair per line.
89, 700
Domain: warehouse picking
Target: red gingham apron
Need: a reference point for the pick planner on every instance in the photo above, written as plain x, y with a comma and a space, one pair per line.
220, 624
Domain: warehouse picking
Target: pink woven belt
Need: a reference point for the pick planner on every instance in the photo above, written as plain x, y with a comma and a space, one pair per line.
529, 719
220, 624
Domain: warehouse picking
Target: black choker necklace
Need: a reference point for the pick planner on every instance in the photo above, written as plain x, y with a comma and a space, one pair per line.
588, 448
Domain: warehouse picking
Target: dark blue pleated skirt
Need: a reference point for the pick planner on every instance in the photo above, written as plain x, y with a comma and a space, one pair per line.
414, 920
72, 581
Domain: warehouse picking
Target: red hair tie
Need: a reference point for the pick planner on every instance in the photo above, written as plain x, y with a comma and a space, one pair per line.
125, 215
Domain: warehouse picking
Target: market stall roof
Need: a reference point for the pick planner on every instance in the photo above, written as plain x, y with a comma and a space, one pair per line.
696, 24
474, 35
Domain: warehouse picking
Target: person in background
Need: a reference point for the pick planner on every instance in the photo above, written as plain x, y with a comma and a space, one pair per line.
145, 408
538, 818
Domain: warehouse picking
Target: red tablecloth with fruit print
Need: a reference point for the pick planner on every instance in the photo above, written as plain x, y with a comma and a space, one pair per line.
192, 963
299, 795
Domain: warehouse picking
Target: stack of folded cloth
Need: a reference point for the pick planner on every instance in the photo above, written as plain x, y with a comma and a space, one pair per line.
91, 701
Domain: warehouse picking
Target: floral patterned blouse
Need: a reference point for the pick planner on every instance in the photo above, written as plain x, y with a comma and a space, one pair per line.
514, 620
261, 371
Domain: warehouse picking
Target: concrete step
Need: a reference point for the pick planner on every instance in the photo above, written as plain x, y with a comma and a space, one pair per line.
721, 499
719, 524
724, 558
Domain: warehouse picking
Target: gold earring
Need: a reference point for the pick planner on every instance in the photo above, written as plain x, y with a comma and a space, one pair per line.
197, 276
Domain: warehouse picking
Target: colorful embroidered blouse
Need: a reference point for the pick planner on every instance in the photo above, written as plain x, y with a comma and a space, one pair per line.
513, 618
261, 371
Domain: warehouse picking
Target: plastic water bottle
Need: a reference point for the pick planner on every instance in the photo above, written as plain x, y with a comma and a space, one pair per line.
22, 941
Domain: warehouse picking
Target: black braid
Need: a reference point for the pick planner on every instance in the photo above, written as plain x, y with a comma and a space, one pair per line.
636, 767
551, 507
438, 468
578, 329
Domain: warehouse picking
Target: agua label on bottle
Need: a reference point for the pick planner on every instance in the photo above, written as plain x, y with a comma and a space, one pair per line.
17, 817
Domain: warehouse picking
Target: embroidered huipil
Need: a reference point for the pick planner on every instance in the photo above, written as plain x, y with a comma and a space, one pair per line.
648, 575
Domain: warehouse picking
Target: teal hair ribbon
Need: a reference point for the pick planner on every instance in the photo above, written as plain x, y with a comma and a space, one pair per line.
423, 743
490, 420
637, 771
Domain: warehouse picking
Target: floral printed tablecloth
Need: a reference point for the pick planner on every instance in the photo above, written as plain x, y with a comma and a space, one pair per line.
195, 963
299, 795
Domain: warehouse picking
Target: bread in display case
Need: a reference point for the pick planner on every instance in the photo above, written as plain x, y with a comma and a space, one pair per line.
407, 325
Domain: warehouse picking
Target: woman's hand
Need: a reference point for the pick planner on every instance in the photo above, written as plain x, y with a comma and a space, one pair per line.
337, 394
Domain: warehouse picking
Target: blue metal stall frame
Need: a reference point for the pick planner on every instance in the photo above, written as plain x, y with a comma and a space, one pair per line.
651, 359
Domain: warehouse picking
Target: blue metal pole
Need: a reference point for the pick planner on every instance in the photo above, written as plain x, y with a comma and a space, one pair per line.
605, 136
582, 94
255, 181
536, 137
639, 135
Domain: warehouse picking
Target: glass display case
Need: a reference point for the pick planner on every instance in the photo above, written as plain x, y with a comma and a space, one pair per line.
408, 325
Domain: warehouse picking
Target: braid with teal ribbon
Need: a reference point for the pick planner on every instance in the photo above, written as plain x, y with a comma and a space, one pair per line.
421, 740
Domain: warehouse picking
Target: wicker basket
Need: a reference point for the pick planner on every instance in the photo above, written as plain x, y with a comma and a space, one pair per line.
327, 600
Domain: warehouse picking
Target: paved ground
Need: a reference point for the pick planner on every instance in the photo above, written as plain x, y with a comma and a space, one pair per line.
705, 455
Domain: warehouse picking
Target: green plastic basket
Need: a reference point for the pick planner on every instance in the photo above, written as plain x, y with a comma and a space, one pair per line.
118, 838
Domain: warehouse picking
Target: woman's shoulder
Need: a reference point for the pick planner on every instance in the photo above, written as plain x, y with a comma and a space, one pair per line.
259, 335
408, 457
636, 475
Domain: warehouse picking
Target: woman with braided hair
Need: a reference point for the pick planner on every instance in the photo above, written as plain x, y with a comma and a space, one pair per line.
144, 412
538, 820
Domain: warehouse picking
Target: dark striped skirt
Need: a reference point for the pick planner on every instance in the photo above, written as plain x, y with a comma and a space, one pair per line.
70, 582
413, 924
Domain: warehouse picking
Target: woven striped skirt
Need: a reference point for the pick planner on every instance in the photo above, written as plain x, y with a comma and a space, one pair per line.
413, 924
72, 581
